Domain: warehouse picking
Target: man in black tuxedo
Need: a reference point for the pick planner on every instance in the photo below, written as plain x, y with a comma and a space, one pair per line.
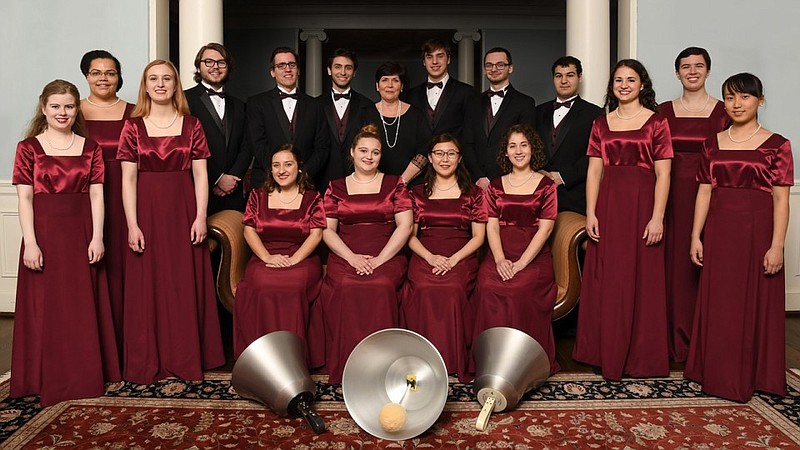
443, 98
564, 125
494, 112
284, 115
223, 119
345, 112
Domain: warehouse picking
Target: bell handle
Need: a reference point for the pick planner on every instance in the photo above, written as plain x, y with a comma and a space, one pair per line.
312, 419
486, 412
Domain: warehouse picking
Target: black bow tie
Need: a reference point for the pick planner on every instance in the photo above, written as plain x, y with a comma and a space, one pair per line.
438, 84
500, 94
219, 94
285, 95
338, 96
566, 104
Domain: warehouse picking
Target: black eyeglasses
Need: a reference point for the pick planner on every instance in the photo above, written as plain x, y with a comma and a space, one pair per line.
498, 66
440, 154
221, 63
285, 65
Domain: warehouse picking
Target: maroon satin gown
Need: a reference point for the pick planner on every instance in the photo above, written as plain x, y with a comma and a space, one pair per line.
64, 345
622, 320
437, 306
355, 306
271, 299
526, 301
682, 276
171, 323
115, 229
738, 335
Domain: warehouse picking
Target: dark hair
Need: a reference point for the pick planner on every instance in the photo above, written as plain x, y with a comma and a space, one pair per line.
391, 68
283, 50
498, 50
689, 51
566, 61
226, 55
538, 159
346, 53
39, 122
463, 178
743, 83
647, 96
303, 181
431, 45
88, 57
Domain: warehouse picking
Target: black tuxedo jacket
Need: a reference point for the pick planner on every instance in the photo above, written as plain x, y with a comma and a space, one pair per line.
482, 143
567, 153
451, 110
230, 152
338, 164
268, 129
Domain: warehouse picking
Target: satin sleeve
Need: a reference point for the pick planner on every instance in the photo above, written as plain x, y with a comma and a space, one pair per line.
401, 201
549, 203
250, 217
594, 139
782, 167
477, 206
704, 166
331, 203
199, 144
316, 216
412, 193
98, 171
23, 165
128, 142
662, 140
490, 202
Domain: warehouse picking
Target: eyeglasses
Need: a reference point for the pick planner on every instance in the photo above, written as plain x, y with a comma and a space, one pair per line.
100, 73
221, 63
498, 66
285, 65
440, 154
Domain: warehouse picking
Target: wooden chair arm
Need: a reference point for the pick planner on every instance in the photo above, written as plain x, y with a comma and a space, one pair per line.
567, 237
226, 234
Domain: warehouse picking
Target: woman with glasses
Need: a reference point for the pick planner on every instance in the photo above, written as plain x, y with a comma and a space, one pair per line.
449, 228
105, 115
516, 284
171, 324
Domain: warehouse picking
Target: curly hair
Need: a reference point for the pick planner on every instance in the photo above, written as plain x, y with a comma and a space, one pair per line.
538, 158
303, 181
462, 175
647, 96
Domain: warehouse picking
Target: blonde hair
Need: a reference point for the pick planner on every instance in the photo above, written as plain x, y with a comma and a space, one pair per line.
143, 101
39, 122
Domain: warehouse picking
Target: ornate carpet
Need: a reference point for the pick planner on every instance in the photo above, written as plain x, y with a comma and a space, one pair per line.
571, 410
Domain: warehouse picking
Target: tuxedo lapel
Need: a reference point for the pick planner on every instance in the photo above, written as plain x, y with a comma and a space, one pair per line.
566, 123
486, 111
206, 100
230, 119
444, 100
277, 107
329, 107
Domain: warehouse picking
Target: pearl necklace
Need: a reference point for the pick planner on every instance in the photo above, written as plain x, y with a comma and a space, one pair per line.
159, 126
72, 141
353, 176
521, 184
631, 117
748, 137
435, 185
385, 123
88, 100
296, 194
683, 105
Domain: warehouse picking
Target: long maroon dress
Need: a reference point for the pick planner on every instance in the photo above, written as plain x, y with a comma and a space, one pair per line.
115, 229
622, 320
688, 134
271, 299
738, 335
64, 344
526, 301
355, 306
171, 323
436, 306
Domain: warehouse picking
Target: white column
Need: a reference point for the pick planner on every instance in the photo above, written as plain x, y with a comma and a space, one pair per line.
158, 29
626, 24
199, 22
313, 69
466, 55
589, 39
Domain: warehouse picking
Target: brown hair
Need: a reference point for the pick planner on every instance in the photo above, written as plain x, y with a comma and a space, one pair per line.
143, 102
39, 122
538, 159
462, 175
226, 55
303, 181
368, 131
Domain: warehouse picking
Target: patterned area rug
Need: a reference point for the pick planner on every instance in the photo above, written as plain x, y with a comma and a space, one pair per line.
570, 411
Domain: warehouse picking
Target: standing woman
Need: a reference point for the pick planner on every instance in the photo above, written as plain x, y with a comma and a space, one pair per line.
449, 227
171, 324
693, 117
283, 222
63, 334
369, 220
404, 130
740, 221
516, 283
622, 324
105, 115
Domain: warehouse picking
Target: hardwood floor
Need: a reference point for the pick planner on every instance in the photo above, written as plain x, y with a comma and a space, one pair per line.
563, 329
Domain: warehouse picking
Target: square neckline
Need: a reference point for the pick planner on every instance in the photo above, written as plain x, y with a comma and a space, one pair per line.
41, 148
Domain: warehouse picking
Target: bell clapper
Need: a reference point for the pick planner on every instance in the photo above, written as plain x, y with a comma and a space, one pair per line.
393, 415
486, 412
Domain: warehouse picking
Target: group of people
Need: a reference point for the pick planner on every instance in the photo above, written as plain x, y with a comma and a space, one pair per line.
438, 170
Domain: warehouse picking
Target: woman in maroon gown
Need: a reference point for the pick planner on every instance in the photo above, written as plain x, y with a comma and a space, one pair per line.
740, 222
622, 321
105, 115
63, 333
283, 226
450, 225
369, 220
516, 284
171, 324
693, 117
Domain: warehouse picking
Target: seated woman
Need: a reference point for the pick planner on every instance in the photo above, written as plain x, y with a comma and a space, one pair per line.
369, 221
516, 284
450, 225
283, 226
